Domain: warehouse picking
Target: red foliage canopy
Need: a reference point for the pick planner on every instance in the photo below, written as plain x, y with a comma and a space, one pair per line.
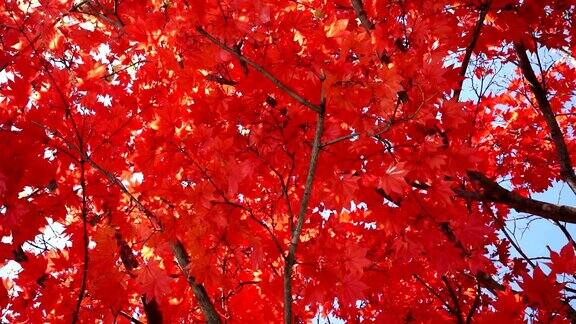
252, 161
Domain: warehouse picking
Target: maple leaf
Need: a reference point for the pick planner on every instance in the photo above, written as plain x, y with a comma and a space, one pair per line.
239, 172
542, 290
336, 28
352, 289
565, 261
355, 259
153, 281
393, 180
509, 308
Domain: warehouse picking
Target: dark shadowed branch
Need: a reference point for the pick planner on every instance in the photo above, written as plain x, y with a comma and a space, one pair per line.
493, 192
361, 14
457, 310
566, 167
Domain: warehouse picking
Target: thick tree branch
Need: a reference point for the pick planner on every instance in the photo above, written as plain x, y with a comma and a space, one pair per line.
152, 311
210, 313
493, 192
289, 91
291, 257
566, 167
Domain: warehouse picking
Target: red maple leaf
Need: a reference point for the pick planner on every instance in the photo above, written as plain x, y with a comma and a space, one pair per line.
565, 261
355, 259
393, 180
153, 281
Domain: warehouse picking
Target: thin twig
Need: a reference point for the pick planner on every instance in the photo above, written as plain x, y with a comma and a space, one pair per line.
457, 311
130, 318
433, 292
86, 241
227, 201
517, 248
475, 305
566, 233
340, 139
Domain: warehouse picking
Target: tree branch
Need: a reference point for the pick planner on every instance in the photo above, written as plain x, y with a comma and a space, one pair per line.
210, 313
289, 91
86, 241
291, 257
452, 293
517, 248
227, 201
152, 311
470, 48
361, 14
340, 139
566, 167
130, 318
494, 287
566, 233
475, 305
257, 221
434, 293
493, 192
